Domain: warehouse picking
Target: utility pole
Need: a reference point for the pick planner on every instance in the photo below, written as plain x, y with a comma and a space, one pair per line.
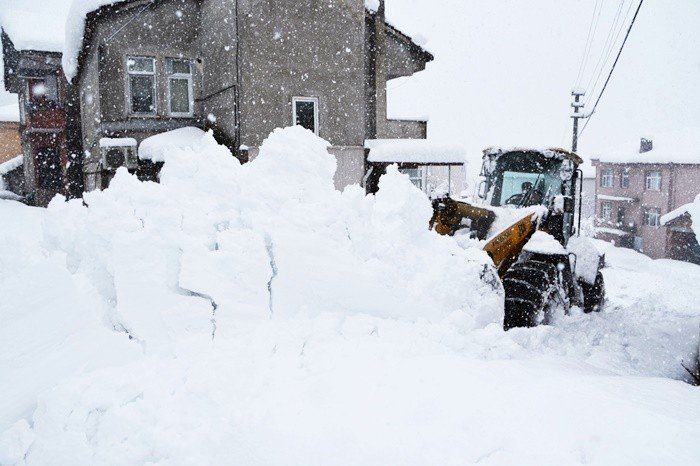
577, 105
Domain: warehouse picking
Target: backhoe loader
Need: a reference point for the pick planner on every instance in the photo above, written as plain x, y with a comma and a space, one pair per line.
529, 220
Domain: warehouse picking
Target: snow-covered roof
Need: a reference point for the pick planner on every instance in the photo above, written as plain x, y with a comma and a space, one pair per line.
75, 29
419, 151
680, 146
12, 164
117, 142
9, 112
154, 148
7, 167
605, 197
692, 209
612, 231
588, 170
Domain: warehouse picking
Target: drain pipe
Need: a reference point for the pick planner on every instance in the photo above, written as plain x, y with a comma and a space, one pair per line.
237, 90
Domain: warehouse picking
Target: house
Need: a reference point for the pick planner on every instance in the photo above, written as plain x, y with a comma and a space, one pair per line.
135, 68
683, 231
431, 167
49, 139
588, 183
637, 183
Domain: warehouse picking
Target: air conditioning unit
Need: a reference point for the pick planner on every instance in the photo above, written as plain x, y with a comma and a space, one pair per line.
118, 152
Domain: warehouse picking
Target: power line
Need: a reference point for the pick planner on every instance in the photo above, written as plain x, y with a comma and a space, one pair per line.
608, 51
608, 46
587, 53
585, 48
613, 66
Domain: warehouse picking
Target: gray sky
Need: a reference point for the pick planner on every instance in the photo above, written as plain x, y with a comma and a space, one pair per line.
504, 70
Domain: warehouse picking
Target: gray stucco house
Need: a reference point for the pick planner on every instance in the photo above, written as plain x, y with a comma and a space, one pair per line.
241, 68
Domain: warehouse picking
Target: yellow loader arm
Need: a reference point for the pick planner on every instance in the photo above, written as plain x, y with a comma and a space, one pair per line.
503, 248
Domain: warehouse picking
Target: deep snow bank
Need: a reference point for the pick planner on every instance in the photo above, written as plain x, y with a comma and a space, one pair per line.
254, 315
164, 269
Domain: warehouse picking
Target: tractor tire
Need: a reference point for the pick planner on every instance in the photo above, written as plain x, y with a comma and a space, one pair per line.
531, 288
593, 295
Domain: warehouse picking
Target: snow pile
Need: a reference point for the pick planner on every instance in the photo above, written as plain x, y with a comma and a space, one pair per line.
544, 243
156, 147
12, 164
183, 267
253, 312
692, 209
419, 151
586, 257
372, 5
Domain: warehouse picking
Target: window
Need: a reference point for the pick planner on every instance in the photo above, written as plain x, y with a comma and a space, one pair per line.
621, 216
606, 179
180, 101
43, 91
416, 175
48, 162
51, 89
651, 217
606, 210
305, 112
624, 179
142, 85
653, 181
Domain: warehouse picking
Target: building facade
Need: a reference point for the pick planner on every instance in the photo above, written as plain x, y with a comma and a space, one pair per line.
238, 67
49, 137
636, 187
242, 69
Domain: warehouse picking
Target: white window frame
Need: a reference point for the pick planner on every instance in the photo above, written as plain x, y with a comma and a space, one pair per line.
606, 210
606, 178
422, 176
130, 73
624, 179
649, 213
314, 100
652, 183
190, 87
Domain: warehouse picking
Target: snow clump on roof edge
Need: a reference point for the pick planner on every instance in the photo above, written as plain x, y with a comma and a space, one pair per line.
75, 31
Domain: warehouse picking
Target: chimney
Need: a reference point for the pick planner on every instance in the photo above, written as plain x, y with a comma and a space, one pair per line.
645, 145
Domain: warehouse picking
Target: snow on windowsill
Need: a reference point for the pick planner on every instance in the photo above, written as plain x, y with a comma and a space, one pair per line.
612, 231
117, 142
605, 197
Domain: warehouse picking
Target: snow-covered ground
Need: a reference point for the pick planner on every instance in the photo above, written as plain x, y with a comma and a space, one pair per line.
254, 315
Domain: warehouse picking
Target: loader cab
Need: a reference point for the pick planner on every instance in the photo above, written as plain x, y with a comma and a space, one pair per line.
526, 178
